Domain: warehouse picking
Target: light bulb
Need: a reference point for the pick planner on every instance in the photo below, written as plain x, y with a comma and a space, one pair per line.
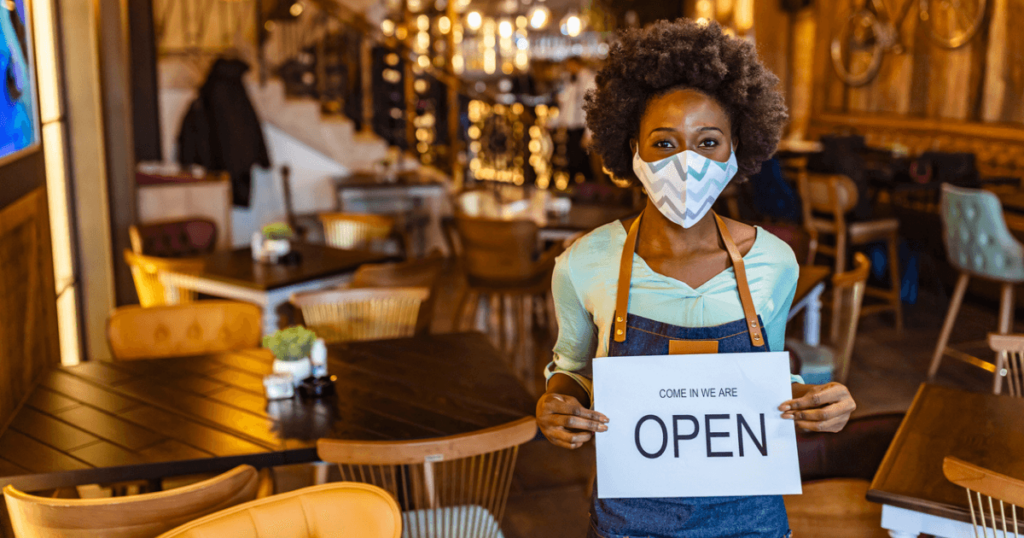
505, 29
474, 20
539, 17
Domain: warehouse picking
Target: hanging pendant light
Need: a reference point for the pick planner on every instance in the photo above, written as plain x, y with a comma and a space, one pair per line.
572, 24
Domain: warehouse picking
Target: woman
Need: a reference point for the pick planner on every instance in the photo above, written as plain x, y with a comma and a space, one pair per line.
683, 108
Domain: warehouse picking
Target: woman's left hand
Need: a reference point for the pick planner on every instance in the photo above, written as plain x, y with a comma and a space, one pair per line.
819, 408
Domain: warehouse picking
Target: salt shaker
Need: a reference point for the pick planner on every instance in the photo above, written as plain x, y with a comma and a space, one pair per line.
318, 357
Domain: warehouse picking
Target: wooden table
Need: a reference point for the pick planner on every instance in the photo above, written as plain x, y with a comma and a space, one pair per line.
809, 286
113, 421
582, 218
983, 429
233, 274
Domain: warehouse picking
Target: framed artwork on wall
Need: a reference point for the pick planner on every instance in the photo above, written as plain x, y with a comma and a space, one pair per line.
19, 119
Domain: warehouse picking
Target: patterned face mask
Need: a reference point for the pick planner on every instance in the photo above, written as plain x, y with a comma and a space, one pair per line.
684, 186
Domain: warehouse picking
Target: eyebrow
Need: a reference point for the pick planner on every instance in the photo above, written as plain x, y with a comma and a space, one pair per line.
702, 129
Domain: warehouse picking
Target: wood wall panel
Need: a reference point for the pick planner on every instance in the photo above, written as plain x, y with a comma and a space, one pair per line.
982, 81
28, 317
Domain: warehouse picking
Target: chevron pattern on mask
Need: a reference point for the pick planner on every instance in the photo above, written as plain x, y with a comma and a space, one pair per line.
685, 185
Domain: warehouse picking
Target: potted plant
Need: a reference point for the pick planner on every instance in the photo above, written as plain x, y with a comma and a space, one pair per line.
291, 348
277, 240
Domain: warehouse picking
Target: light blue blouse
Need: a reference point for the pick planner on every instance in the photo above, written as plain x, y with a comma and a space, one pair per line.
584, 286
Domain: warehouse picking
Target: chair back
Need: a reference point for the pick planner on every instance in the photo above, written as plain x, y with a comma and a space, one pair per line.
976, 237
848, 295
833, 194
174, 239
411, 274
146, 274
497, 250
136, 516
353, 230
202, 327
349, 315
1012, 348
337, 510
450, 486
993, 498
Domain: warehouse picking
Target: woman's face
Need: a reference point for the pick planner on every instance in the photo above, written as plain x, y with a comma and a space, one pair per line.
681, 120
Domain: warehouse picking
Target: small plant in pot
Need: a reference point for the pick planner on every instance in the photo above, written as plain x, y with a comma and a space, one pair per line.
291, 348
276, 241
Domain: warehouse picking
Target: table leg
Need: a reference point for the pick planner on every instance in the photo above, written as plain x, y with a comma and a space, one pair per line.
812, 316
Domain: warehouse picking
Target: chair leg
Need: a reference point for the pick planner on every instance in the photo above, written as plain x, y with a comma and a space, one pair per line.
501, 322
947, 326
460, 306
1006, 305
894, 275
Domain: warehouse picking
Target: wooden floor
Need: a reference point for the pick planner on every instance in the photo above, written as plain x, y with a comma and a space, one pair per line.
549, 497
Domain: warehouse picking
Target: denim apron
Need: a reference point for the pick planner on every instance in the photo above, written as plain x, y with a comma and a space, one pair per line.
686, 517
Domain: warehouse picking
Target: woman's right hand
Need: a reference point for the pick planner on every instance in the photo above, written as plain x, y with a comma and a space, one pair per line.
565, 422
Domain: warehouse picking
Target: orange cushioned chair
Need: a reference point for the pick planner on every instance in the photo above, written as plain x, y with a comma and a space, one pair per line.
136, 516
158, 332
336, 510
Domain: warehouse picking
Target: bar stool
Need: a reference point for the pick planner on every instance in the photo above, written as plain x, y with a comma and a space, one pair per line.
978, 244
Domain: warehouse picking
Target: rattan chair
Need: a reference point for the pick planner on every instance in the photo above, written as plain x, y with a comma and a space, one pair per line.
993, 498
348, 315
834, 196
338, 510
146, 274
134, 332
447, 487
137, 516
1011, 347
356, 231
410, 274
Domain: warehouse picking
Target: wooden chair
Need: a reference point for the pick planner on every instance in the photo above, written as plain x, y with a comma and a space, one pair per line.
834, 196
837, 469
338, 510
349, 315
985, 490
1011, 348
138, 516
411, 274
978, 244
134, 332
848, 294
501, 262
451, 486
174, 239
358, 231
146, 274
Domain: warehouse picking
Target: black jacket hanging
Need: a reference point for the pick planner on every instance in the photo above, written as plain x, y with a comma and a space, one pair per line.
221, 130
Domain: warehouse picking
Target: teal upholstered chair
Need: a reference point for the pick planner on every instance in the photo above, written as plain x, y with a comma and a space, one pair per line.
978, 244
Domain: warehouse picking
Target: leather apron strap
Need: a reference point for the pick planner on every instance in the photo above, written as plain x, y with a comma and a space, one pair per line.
626, 275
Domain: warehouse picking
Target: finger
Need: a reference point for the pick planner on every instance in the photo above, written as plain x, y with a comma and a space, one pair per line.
578, 423
822, 414
818, 398
572, 438
579, 410
830, 425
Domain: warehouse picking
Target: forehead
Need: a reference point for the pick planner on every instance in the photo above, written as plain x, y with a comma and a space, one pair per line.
681, 106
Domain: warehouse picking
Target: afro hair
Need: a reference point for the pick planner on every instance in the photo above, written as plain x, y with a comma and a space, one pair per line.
663, 56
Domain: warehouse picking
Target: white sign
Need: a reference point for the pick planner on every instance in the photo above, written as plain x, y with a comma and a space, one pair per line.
695, 426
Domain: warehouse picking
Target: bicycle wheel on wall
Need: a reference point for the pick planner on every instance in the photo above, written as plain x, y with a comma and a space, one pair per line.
858, 48
953, 23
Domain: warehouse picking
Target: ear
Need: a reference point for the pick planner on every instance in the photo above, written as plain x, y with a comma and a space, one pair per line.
735, 144
632, 145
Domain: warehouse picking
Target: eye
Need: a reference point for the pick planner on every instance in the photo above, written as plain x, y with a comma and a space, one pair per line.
709, 143
663, 144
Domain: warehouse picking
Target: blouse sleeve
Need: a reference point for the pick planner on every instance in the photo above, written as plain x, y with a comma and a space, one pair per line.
577, 333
